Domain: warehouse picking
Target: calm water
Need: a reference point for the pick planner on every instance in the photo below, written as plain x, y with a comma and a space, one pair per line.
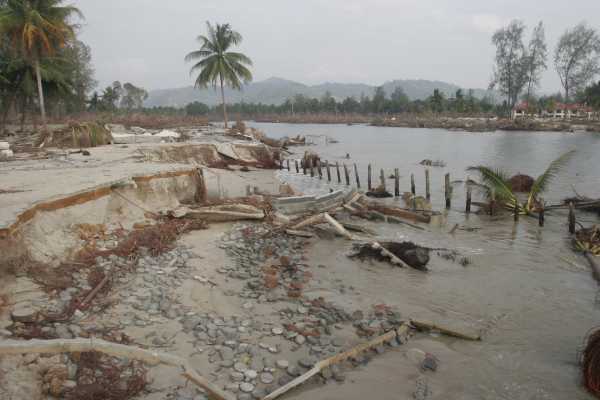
525, 282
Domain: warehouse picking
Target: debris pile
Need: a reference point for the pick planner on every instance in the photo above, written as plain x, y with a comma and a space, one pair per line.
84, 135
5, 151
587, 240
409, 253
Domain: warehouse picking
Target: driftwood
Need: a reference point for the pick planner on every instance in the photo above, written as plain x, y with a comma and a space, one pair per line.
94, 292
337, 226
221, 213
401, 332
304, 234
315, 219
446, 331
386, 253
59, 346
357, 228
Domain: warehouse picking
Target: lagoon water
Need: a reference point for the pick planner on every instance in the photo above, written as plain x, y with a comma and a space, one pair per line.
534, 298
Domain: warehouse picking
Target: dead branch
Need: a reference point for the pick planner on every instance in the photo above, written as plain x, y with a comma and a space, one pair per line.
386, 253
304, 234
59, 346
221, 213
315, 219
337, 226
402, 332
446, 331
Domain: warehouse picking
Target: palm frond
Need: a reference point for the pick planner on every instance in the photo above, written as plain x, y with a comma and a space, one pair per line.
496, 180
542, 181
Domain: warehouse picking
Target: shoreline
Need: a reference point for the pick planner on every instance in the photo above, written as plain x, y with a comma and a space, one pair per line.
462, 124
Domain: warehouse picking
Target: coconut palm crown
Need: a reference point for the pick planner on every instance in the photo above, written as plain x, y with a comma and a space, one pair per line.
498, 181
216, 65
36, 29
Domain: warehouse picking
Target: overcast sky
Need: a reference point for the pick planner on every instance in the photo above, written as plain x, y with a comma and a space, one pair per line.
314, 41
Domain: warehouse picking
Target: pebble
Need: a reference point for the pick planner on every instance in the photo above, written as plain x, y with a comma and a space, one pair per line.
240, 367
266, 378
237, 376
300, 340
283, 364
251, 374
246, 387
277, 331
293, 370
306, 362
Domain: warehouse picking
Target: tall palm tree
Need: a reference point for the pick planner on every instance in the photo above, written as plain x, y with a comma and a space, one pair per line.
217, 65
499, 181
36, 29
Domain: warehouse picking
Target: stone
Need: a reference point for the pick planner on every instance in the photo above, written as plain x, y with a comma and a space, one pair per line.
337, 373
247, 387
240, 367
23, 313
337, 342
236, 376
244, 396
430, 363
415, 355
293, 371
232, 387
266, 378
226, 363
277, 331
326, 373
283, 364
306, 362
250, 374
300, 340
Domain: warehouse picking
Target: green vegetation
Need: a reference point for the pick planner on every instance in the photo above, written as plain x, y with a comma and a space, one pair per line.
498, 181
35, 31
217, 65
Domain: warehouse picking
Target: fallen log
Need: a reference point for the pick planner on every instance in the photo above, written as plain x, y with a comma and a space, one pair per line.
357, 228
386, 253
221, 213
421, 325
337, 226
59, 346
315, 219
402, 332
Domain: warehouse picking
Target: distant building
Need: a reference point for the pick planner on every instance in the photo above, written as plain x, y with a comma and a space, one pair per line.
557, 111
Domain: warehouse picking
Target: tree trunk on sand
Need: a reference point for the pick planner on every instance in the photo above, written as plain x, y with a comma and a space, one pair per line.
223, 102
38, 75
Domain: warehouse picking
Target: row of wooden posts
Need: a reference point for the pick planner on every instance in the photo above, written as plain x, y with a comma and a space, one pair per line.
317, 169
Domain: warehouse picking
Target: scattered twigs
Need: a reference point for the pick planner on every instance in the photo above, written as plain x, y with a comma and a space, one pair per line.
421, 325
59, 346
94, 292
402, 332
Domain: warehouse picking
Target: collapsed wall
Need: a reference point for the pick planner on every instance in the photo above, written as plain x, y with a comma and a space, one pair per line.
52, 231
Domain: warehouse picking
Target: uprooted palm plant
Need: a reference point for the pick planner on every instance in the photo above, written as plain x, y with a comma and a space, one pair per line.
497, 182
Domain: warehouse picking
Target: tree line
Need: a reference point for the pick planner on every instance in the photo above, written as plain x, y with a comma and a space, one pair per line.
518, 66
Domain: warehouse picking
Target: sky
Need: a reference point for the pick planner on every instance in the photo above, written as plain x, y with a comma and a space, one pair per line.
314, 41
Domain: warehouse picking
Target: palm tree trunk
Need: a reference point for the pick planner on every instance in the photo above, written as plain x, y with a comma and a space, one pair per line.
41, 94
223, 102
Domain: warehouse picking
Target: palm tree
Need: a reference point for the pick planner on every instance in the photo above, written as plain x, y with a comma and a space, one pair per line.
35, 30
216, 65
499, 181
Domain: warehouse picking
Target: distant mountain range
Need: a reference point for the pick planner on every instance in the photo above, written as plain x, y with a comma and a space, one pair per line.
277, 90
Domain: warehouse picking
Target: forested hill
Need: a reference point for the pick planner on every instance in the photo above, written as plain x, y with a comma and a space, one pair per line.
277, 90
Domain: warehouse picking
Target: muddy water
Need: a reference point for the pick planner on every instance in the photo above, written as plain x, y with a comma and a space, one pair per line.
533, 296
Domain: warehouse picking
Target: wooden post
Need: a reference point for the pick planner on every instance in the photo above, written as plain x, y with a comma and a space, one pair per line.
516, 211
427, 190
328, 171
319, 169
297, 169
303, 162
288, 164
369, 186
312, 168
413, 188
492, 201
280, 164
447, 190
469, 190
346, 175
382, 179
396, 182
357, 176
571, 218
337, 168
541, 214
